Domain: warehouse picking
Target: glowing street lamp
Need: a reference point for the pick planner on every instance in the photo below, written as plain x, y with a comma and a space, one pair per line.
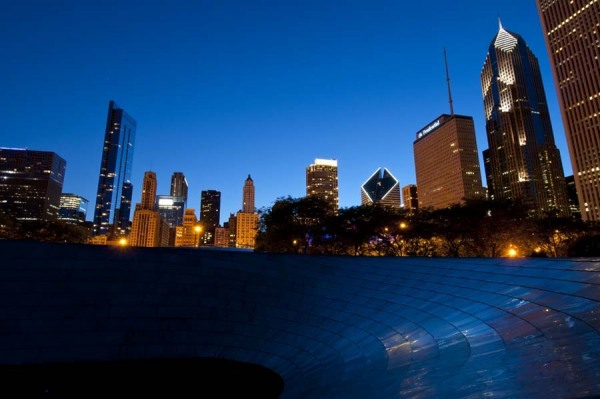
403, 225
123, 242
512, 252
198, 230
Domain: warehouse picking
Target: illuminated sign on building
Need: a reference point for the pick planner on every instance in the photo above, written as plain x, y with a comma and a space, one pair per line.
428, 129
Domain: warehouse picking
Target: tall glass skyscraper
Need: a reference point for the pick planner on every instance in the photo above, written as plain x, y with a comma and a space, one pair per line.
524, 162
113, 199
572, 31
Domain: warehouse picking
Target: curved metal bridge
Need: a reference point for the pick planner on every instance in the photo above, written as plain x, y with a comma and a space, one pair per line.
331, 327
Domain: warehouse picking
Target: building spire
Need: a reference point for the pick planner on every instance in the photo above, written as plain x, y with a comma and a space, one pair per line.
448, 81
500, 27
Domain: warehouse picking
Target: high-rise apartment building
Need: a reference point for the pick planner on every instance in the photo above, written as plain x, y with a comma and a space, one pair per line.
322, 181
410, 198
149, 229
210, 214
113, 198
179, 186
447, 162
381, 188
73, 208
31, 183
572, 33
524, 161
248, 196
246, 229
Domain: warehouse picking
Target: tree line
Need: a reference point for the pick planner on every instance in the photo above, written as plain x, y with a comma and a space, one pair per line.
477, 228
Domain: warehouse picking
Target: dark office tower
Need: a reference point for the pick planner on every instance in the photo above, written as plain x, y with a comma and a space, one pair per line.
410, 198
73, 209
525, 164
30, 183
232, 224
572, 31
113, 200
179, 186
573, 199
381, 188
248, 196
447, 162
210, 212
322, 181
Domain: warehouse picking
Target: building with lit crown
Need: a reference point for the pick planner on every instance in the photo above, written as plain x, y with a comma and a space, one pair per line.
322, 181
113, 198
381, 188
447, 162
73, 208
31, 183
524, 162
572, 34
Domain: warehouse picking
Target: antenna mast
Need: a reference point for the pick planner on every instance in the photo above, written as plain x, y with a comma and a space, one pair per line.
448, 80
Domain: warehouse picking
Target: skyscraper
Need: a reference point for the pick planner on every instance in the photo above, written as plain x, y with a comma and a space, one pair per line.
179, 186
149, 191
447, 162
322, 181
572, 33
113, 198
73, 208
245, 223
149, 229
30, 183
210, 213
524, 161
248, 196
381, 188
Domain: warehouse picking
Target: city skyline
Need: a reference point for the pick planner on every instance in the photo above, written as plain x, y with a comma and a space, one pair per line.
257, 89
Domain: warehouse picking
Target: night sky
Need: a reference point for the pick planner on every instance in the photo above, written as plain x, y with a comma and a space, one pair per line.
222, 89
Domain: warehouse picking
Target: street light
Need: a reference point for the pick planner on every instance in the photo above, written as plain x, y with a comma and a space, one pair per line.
512, 252
198, 230
403, 225
123, 242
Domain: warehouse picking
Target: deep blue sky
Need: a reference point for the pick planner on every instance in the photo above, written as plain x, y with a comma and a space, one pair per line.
222, 89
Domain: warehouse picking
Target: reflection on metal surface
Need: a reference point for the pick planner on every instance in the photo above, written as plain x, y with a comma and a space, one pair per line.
331, 327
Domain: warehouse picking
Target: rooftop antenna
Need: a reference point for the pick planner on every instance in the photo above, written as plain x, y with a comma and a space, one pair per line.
448, 80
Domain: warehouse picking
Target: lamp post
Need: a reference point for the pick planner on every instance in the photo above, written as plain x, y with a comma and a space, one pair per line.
198, 230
